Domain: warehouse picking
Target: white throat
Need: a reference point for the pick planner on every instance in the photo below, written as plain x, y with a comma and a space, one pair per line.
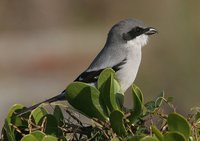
139, 41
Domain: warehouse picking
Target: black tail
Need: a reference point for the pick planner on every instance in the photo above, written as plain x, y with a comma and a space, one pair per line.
59, 97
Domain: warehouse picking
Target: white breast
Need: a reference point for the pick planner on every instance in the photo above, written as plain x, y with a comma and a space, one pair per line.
128, 73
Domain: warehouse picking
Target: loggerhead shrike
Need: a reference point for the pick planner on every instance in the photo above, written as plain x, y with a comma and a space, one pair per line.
122, 53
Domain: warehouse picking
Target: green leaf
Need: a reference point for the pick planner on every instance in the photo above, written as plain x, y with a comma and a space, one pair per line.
12, 111
103, 77
148, 138
178, 123
108, 94
115, 139
120, 100
117, 124
16, 120
38, 113
197, 116
110, 89
29, 137
38, 135
139, 93
50, 125
174, 136
192, 139
134, 138
85, 98
159, 100
157, 133
9, 131
150, 106
50, 138
58, 115
137, 105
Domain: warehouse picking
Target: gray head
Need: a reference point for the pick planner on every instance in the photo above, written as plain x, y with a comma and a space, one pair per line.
130, 30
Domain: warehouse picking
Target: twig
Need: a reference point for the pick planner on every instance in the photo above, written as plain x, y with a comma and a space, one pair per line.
75, 118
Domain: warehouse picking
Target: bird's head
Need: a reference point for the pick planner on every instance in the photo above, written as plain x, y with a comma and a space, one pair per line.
130, 32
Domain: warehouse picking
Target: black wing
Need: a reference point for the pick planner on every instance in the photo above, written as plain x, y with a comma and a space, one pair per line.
92, 76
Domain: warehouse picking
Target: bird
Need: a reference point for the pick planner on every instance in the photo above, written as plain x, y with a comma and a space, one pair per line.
122, 52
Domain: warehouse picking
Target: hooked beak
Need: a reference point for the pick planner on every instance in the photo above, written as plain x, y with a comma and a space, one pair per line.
150, 31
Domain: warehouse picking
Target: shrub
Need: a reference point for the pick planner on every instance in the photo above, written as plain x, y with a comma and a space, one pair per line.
111, 121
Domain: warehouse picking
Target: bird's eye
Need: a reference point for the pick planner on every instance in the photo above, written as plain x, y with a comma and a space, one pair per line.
138, 29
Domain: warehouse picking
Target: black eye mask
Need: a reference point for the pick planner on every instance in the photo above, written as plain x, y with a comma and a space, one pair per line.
133, 33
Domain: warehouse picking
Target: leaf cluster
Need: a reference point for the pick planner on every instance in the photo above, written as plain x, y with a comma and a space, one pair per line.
111, 121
